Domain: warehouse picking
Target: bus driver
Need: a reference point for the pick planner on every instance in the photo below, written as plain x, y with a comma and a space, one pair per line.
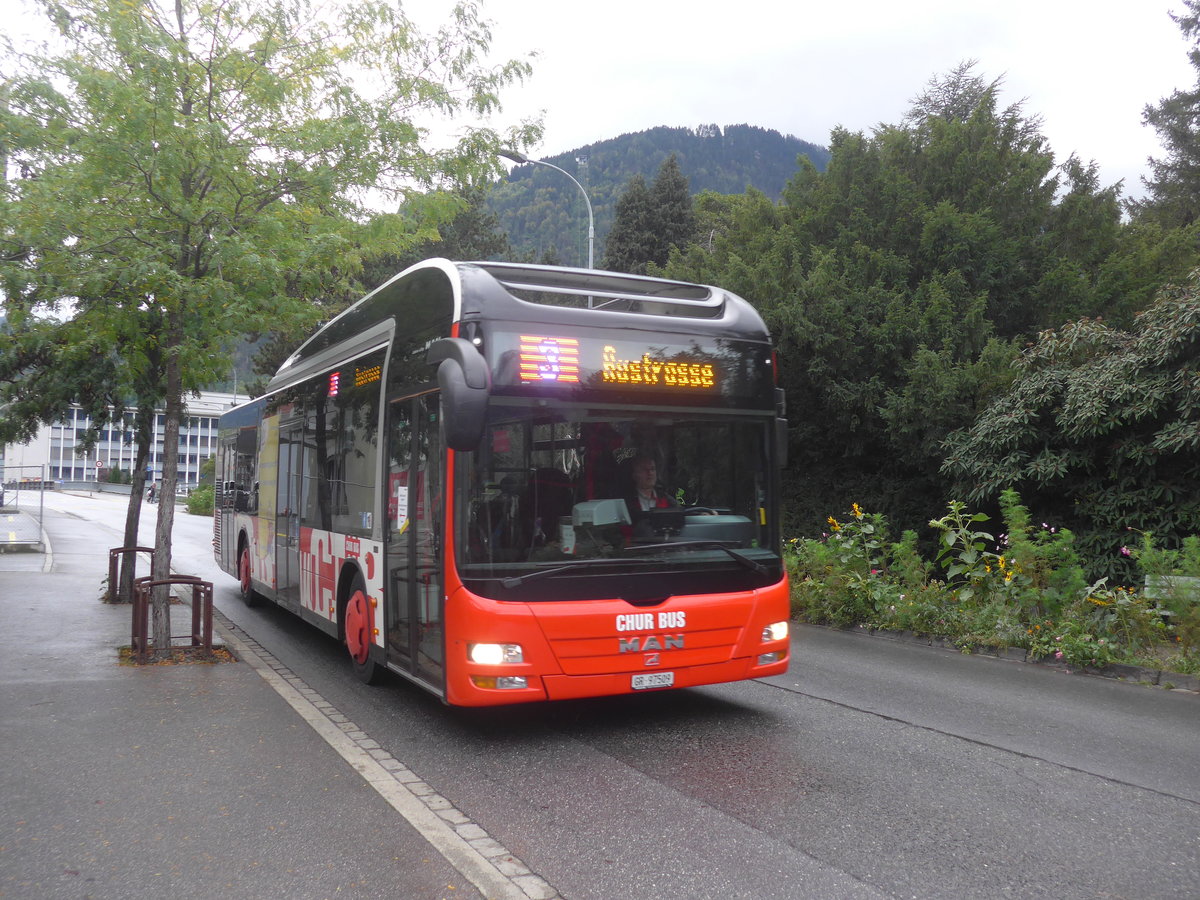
645, 494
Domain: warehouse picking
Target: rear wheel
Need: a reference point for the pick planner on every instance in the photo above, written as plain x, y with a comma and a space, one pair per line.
359, 628
245, 584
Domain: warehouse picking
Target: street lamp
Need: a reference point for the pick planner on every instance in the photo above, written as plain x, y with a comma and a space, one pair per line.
521, 159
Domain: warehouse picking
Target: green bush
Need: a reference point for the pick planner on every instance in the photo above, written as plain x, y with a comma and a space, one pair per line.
200, 500
1025, 588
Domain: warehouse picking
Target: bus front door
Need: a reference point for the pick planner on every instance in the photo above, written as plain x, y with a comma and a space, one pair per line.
414, 585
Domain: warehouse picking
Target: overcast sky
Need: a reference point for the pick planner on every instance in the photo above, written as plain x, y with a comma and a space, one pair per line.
1088, 67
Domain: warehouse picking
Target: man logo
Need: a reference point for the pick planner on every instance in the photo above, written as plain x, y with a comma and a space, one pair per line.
651, 642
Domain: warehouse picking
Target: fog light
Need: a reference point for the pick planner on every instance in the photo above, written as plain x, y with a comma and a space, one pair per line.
766, 658
508, 682
776, 631
495, 654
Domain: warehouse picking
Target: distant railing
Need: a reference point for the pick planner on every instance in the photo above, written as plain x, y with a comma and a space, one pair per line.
22, 492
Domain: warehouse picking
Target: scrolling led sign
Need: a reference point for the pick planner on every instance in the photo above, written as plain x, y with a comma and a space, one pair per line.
544, 358
655, 372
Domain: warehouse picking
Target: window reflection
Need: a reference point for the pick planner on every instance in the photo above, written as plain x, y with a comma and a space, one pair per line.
545, 489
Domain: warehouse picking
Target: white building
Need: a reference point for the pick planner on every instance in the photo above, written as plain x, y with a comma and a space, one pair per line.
54, 446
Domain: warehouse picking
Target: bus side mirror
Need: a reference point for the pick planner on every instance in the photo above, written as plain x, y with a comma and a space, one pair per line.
464, 381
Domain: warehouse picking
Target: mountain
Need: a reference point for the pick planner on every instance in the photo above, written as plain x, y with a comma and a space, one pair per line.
543, 213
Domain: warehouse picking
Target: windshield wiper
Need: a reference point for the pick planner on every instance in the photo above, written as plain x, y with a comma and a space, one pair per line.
742, 559
518, 580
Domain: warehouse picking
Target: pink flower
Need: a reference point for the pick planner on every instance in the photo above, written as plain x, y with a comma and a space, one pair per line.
1058, 654
1125, 551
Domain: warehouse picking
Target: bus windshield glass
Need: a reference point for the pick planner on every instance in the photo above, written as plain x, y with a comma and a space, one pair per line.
590, 496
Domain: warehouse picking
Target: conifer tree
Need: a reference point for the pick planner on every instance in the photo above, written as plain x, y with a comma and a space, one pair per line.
650, 220
631, 241
1173, 198
672, 210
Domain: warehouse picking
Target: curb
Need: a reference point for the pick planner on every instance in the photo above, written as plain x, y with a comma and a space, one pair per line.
496, 872
1164, 678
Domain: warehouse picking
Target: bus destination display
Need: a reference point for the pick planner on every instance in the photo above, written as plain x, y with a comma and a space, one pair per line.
548, 358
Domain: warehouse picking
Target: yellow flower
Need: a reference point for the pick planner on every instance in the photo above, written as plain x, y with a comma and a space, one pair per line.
858, 513
833, 523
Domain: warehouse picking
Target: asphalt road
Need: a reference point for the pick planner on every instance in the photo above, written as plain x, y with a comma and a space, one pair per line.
872, 769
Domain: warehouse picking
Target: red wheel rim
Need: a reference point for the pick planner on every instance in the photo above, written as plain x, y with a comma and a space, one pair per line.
358, 627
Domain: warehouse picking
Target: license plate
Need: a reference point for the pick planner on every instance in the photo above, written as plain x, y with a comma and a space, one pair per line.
653, 680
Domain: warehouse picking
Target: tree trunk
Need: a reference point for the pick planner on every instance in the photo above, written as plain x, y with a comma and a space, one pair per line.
166, 494
137, 491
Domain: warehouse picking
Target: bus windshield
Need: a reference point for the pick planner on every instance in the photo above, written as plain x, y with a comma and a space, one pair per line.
583, 495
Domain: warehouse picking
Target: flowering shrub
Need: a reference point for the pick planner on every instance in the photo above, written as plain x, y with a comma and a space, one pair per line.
1024, 588
1041, 568
963, 556
837, 580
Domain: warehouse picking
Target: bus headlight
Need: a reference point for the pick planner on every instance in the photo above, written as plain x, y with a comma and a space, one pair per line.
495, 654
776, 631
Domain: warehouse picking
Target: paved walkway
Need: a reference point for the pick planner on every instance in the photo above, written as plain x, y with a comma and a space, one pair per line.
191, 781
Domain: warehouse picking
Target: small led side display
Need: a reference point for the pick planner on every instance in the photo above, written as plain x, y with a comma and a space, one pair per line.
335, 379
369, 375
544, 358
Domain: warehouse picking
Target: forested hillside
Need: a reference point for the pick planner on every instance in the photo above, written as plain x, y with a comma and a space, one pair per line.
543, 213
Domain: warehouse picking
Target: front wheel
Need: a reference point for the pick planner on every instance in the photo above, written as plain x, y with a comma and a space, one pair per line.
245, 584
359, 628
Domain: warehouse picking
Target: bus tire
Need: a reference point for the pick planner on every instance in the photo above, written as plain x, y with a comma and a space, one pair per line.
357, 627
245, 585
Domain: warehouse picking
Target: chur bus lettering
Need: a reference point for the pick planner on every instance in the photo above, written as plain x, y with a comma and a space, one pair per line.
473, 481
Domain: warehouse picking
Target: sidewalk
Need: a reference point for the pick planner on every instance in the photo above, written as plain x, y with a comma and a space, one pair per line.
19, 531
189, 781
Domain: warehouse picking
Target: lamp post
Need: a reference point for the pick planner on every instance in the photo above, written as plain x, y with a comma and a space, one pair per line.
521, 159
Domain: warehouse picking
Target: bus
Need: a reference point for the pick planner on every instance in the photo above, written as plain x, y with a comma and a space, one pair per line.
440, 477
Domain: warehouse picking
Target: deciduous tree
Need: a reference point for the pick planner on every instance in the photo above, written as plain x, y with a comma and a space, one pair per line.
1101, 429
199, 171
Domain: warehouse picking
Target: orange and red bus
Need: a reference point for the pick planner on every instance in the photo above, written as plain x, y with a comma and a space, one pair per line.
439, 478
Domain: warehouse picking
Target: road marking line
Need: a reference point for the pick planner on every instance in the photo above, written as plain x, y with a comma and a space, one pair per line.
479, 858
